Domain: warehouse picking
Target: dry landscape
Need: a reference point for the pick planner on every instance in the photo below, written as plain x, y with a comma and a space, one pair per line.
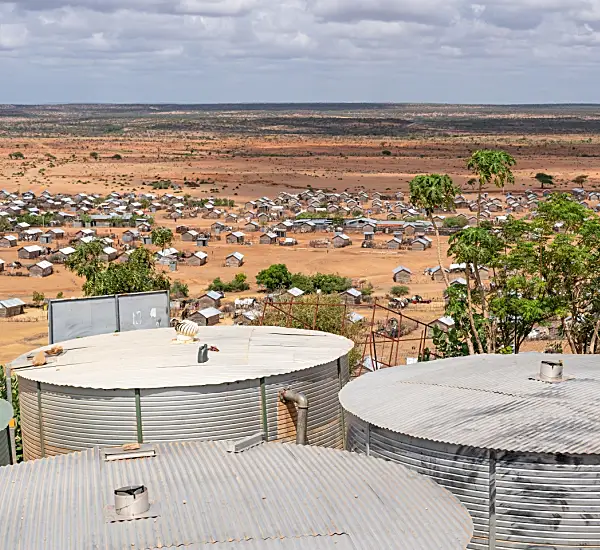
246, 154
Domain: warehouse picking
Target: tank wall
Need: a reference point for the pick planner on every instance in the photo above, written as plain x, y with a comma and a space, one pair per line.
541, 501
321, 385
79, 418
207, 412
74, 419
548, 501
463, 471
30, 418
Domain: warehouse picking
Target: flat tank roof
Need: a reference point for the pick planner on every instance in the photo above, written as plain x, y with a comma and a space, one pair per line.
486, 401
153, 359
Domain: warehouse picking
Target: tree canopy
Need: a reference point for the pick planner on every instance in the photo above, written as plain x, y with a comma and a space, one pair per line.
162, 237
136, 275
275, 277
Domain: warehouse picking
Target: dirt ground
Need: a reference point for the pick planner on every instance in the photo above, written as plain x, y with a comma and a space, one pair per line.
246, 168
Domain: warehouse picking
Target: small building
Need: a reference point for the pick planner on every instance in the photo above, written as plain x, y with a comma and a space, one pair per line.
46, 238
268, 238
288, 241
11, 307
444, 323
207, 317
190, 236
123, 258
401, 274
211, 299
63, 254
352, 296
41, 269
131, 235
341, 240
437, 273
235, 259
109, 254
82, 233
394, 244
57, 233
198, 258
420, 244
30, 252
251, 226
237, 237
218, 227
202, 241
8, 241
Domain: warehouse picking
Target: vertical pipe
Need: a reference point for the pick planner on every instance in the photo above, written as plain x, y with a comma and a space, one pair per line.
368, 439
41, 420
492, 500
301, 401
263, 405
138, 415
50, 324
117, 313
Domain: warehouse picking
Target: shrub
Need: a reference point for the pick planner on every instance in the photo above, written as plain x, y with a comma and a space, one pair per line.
399, 291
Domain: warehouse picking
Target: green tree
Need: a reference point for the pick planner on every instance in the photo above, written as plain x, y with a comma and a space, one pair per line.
179, 289
399, 291
544, 179
94, 155
136, 275
430, 192
116, 156
5, 225
455, 221
162, 237
38, 298
580, 180
491, 167
16, 155
275, 277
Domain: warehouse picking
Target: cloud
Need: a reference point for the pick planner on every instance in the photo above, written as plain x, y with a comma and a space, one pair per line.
299, 50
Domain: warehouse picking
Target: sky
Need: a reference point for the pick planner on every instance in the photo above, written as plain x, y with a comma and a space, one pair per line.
244, 51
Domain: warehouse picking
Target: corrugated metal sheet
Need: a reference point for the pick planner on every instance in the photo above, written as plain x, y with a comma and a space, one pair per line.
79, 418
548, 501
4, 448
465, 472
321, 385
206, 412
151, 358
76, 419
269, 496
485, 401
30, 419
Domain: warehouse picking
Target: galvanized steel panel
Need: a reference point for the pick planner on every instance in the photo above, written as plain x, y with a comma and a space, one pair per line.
547, 500
144, 310
465, 472
4, 448
205, 496
321, 385
68, 319
78, 418
486, 401
229, 411
30, 419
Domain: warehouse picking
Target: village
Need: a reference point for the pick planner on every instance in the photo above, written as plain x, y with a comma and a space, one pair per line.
378, 241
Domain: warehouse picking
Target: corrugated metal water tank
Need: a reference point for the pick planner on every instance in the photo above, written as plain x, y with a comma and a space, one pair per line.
522, 454
145, 386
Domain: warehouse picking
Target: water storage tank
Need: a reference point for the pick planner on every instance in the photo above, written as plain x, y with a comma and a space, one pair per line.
200, 495
516, 438
144, 386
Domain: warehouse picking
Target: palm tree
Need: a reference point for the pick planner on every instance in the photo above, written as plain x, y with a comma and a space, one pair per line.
490, 166
429, 192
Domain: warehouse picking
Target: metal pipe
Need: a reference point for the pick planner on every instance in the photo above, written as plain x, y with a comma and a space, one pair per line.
301, 402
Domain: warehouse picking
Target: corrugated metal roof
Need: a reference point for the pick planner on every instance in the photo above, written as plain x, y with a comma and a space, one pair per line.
273, 495
486, 401
12, 302
151, 358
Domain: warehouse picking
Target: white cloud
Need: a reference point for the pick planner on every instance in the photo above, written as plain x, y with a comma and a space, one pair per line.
300, 49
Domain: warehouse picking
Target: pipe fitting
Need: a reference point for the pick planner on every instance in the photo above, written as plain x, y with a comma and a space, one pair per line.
301, 401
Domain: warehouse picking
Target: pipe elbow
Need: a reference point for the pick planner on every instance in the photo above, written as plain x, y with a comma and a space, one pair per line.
298, 398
